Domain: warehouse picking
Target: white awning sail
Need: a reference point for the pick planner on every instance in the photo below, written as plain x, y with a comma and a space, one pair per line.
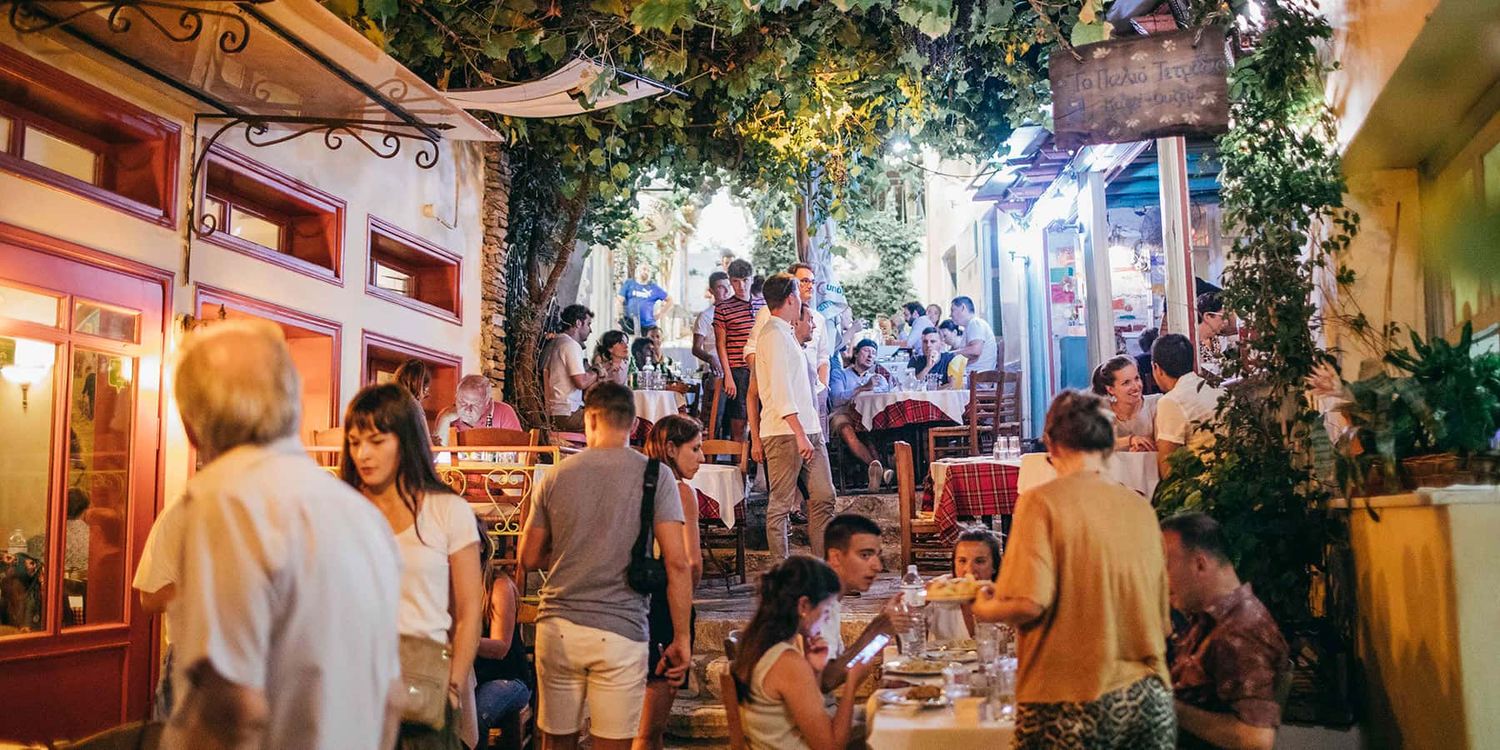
560, 94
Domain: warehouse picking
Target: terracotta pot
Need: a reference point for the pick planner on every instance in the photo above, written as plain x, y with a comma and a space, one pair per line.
1434, 471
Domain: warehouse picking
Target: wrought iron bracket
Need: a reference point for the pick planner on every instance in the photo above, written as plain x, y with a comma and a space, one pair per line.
380, 137
32, 16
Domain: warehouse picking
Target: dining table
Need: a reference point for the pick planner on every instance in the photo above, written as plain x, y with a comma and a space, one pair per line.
910, 728
972, 487
720, 488
1134, 469
651, 405
884, 410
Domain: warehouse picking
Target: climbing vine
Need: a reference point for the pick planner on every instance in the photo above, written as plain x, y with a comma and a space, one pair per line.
1282, 194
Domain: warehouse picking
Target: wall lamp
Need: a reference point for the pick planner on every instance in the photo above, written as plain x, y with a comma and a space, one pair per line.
33, 360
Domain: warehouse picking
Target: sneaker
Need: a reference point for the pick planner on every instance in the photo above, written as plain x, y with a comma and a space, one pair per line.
877, 475
798, 518
890, 477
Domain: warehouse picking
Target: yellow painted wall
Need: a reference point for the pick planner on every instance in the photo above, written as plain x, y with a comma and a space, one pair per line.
1429, 614
394, 190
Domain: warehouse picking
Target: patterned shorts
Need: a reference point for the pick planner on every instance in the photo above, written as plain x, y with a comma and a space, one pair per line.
1138, 716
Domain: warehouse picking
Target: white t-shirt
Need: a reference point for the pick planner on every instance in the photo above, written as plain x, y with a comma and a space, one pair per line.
1185, 414
564, 360
161, 560
289, 585
447, 526
705, 324
914, 334
978, 329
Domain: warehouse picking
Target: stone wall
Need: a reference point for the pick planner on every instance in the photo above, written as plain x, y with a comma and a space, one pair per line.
492, 269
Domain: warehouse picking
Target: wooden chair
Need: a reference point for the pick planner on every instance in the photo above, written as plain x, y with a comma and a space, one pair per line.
994, 409
519, 730
730, 695
497, 436
333, 437
712, 533
713, 409
918, 530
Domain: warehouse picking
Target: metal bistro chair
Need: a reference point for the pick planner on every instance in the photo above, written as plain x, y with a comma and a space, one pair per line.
712, 532
994, 410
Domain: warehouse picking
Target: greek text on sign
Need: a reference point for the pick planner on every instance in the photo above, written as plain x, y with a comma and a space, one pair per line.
1141, 88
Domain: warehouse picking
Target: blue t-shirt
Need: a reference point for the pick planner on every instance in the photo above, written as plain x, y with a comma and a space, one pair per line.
641, 299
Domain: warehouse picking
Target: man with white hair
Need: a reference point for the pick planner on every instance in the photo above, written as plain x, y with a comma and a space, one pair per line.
474, 405
289, 586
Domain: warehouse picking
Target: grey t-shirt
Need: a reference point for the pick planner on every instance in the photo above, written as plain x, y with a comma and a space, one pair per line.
591, 505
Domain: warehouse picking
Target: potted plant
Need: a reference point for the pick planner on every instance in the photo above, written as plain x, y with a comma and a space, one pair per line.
1463, 392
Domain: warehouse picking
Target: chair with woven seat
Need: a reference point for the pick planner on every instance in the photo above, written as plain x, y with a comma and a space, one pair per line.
994, 410
729, 694
919, 531
712, 533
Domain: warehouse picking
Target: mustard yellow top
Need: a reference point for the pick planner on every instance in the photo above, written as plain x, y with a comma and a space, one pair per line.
1088, 551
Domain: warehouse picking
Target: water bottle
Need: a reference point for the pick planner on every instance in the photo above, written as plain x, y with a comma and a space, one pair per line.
998, 450
16, 545
913, 599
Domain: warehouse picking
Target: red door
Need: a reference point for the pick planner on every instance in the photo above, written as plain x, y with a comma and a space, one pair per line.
81, 346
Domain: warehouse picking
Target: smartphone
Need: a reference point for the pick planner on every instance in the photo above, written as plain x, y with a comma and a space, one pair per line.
871, 650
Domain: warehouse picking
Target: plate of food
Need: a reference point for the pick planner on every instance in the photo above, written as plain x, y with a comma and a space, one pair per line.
922, 696
915, 667
955, 651
953, 590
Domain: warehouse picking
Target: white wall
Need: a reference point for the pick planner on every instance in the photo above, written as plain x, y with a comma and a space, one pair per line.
394, 190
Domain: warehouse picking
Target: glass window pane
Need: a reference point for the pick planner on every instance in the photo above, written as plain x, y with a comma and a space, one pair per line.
109, 322
32, 307
214, 207
252, 228
393, 280
5, 127
59, 155
99, 430
26, 395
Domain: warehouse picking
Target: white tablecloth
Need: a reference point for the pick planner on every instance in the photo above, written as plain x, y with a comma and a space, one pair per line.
904, 728
723, 483
1135, 469
653, 405
952, 403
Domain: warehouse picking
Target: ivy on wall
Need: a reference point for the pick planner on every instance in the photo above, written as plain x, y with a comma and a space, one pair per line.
1282, 194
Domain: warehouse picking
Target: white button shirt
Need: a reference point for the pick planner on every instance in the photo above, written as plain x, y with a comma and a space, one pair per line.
781, 371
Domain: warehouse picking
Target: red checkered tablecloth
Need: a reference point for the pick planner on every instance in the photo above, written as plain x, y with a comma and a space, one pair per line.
903, 413
979, 488
708, 508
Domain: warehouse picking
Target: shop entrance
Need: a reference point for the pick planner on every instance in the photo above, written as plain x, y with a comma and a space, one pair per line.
81, 344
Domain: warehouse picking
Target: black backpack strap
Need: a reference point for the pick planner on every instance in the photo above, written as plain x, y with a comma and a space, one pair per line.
648, 508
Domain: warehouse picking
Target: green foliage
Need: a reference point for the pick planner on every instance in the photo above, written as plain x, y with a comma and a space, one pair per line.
883, 289
1460, 390
1282, 192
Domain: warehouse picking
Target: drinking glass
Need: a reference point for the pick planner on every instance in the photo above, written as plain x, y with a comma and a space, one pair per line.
987, 641
955, 682
1003, 690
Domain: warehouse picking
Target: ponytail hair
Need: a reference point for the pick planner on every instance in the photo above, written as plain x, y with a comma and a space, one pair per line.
776, 618
1104, 374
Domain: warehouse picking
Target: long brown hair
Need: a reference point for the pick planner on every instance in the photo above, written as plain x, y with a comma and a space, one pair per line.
390, 409
669, 432
776, 618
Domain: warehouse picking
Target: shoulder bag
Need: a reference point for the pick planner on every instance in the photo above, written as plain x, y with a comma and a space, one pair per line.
647, 574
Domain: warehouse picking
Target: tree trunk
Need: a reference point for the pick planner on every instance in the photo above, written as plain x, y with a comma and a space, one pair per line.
530, 322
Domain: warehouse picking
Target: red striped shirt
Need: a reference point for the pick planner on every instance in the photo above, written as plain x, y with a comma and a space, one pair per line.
736, 316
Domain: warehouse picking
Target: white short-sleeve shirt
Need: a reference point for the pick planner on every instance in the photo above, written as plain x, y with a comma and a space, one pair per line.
289, 584
564, 361
1185, 415
447, 526
761, 316
161, 560
705, 323
978, 329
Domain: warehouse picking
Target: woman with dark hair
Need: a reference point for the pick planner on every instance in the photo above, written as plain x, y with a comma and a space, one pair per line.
976, 555
416, 378
781, 658
1085, 586
676, 441
1143, 361
388, 459
502, 673
1119, 381
612, 357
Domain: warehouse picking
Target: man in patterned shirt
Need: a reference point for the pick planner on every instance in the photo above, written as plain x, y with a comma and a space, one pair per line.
733, 319
1228, 660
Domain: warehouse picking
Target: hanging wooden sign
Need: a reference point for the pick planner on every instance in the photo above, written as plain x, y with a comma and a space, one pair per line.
1141, 88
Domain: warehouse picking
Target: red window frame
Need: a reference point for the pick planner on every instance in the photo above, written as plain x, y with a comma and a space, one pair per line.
446, 368
138, 151
312, 241
436, 273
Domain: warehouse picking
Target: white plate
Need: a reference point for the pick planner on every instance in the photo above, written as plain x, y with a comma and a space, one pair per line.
926, 669
960, 655
897, 697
